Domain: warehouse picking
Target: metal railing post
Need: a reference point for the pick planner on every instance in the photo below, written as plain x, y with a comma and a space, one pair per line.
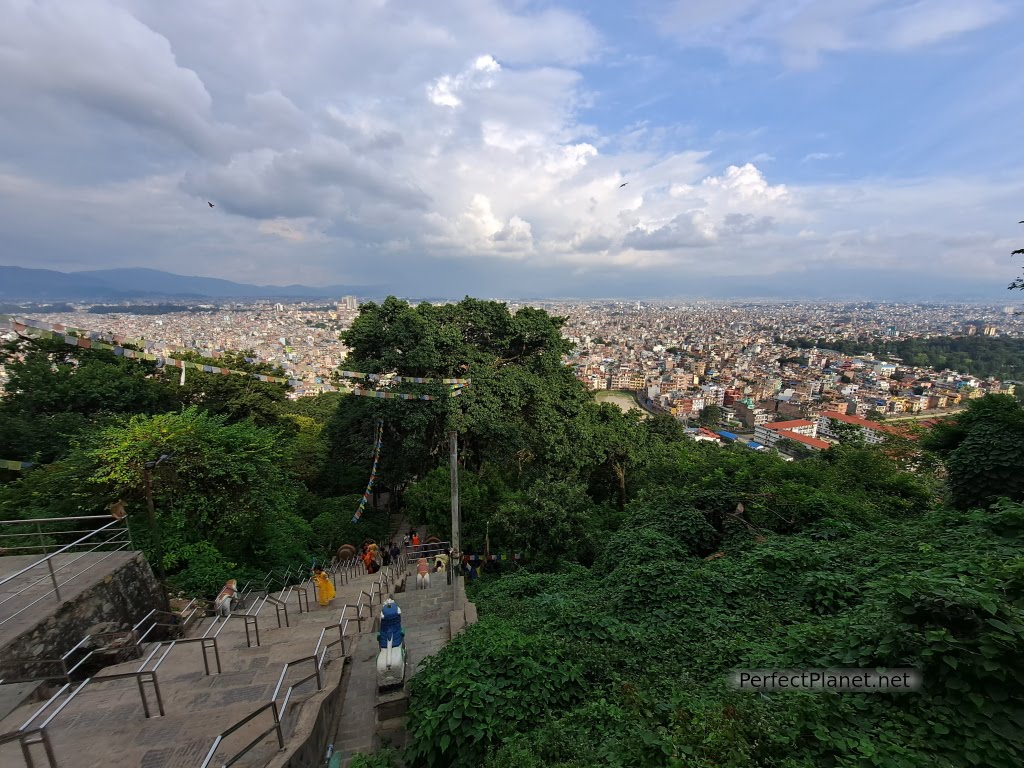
277, 727
142, 695
53, 577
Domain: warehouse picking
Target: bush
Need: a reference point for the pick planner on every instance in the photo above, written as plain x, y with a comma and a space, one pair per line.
498, 680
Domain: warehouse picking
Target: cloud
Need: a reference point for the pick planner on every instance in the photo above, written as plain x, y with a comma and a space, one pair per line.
687, 230
747, 224
99, 57
800, 32
444, 90
812, 156
442, 148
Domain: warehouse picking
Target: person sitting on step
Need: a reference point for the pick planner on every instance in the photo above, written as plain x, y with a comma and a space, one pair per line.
227, 599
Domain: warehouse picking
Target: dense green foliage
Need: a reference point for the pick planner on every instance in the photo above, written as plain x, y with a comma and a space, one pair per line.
242, 493
983, 448
657, 630
998, 356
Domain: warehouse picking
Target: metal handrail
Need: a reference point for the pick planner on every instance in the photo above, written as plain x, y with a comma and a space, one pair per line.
279, 605
59, 551
54, 572
54, 519
140, 678
238, 755
184, 641
342, 627
23, 739
47, 559
293, 686
318, 657
222, 621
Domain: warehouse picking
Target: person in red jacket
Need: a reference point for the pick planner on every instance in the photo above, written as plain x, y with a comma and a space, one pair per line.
415, 539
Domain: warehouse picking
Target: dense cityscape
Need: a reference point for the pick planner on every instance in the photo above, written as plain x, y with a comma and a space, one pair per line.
725, 369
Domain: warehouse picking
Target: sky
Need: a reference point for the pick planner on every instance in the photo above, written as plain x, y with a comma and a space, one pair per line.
480, 147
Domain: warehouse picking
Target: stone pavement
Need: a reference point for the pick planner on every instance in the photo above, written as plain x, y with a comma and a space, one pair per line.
105, 724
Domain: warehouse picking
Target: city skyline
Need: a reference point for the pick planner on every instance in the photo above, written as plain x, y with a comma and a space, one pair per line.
730, 149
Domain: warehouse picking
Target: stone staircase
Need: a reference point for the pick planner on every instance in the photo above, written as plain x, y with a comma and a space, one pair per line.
371, 719
104, 724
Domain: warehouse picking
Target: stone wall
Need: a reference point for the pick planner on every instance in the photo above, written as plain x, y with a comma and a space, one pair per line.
121, 598
318, 719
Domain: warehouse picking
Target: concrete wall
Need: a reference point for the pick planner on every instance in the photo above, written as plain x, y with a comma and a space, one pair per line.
120, 598
319, 724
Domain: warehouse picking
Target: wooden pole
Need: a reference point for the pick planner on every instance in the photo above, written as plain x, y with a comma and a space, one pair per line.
453, 448
154, 526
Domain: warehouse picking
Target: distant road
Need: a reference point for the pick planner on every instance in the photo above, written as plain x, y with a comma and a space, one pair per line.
932, 415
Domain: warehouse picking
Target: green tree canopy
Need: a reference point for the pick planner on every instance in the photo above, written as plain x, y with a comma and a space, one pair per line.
226, 484
983, 449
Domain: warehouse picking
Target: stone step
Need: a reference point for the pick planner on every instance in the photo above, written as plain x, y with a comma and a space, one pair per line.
105, 724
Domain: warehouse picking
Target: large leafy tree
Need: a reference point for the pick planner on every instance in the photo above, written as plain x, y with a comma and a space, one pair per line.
55, 392
226, 486
520, 412
237, 397
983, 449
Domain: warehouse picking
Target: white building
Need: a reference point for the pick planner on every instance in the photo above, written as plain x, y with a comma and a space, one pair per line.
872, 432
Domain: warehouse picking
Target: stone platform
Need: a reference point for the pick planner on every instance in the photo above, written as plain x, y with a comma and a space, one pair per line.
95, 587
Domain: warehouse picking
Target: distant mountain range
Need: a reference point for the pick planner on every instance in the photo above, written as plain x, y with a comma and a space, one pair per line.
21, 284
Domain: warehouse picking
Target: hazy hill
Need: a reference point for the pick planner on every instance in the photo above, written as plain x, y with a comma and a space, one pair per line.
122, 284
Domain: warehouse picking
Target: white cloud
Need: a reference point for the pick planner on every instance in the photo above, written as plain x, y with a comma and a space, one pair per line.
811, 156
414, 143
479, 74
801, 32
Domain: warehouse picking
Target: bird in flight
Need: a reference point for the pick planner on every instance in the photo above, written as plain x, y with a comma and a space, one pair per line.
623, 184
209, 203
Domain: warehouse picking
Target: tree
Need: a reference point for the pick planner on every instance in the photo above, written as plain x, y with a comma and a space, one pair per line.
710, 416
225, 492
237, 397
983, 450
525, 410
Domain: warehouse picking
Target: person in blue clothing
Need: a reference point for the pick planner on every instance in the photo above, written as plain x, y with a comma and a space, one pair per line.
390, 624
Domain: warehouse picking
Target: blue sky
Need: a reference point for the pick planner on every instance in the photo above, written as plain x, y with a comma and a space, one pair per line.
943, 107
862, 147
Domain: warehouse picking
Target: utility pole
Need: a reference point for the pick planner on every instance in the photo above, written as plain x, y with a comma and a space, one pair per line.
154, 526
453, 448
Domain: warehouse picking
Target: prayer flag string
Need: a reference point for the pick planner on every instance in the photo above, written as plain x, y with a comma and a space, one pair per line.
405, 379
378, 441
131, 354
